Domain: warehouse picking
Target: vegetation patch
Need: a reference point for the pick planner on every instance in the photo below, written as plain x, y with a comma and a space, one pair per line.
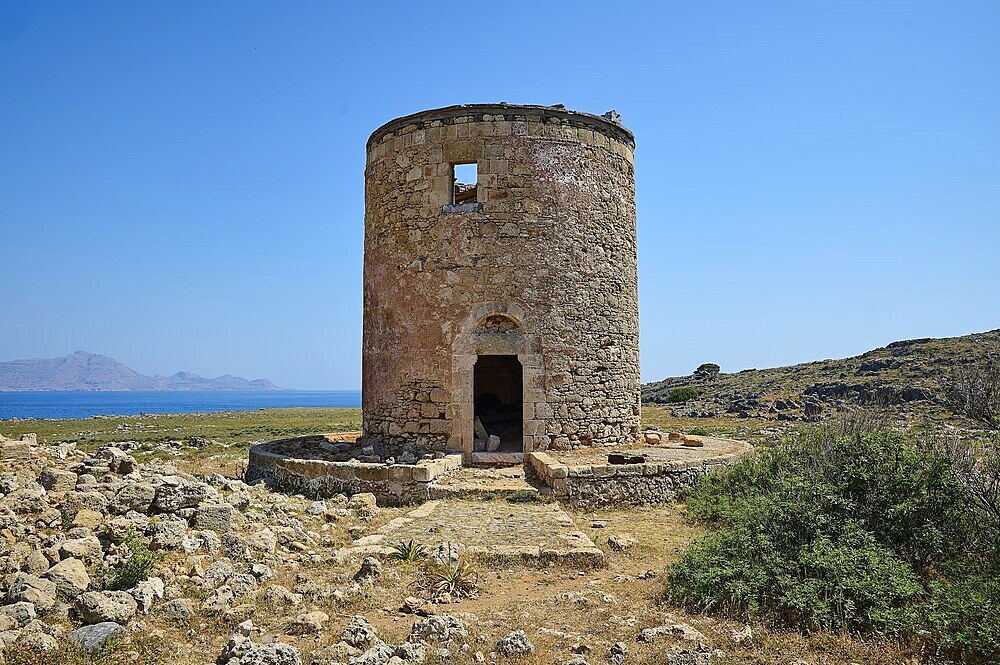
866, 531
681, 394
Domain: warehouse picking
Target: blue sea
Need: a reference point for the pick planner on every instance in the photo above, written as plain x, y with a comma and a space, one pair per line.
85, 404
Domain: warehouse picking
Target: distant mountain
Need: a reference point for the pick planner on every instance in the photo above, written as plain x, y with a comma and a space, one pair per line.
89, 371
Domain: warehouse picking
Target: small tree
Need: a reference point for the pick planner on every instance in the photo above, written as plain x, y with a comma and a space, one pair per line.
972, 388
707, 372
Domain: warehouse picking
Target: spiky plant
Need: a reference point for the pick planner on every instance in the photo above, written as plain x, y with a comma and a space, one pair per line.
408, 552
459, 578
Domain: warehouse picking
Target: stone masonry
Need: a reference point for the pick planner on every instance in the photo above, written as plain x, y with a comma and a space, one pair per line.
540, 265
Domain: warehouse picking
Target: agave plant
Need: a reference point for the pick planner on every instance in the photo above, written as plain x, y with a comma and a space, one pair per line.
459, 579
408, 552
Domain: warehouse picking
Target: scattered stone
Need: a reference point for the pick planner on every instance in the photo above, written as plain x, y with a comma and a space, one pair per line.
515, 643
87, 549
622, 541
88, 519
179, 609
272, 654
40, 593
439, 628
310, 623
741, 636
359, 633
598, 524
22, 612
69, 577
221, 517
364, 504
176, 493
93, 637
55, 480
675, 629
146, 591
100, 606
370, 571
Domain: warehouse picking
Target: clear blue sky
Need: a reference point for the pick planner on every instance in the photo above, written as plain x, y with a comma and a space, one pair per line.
181, 183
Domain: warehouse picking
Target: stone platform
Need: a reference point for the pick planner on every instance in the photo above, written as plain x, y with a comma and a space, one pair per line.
328, 464
633, 475
316, 467
492, 531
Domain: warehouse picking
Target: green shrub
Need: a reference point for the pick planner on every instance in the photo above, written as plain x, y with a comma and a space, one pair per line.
859, 532
681, 394
136, 567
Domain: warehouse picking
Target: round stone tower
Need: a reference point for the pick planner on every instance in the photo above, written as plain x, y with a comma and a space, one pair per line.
500, 285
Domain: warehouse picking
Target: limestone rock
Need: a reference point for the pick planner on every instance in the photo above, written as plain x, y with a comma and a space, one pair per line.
439, 628
93, 637
272, 654
69, 576
370, 571
87, 549
41, 593
621, 542
310, 623
220, 517
359, 633
99, 606
56, 480
137, 496
22, 612
176, 493
515, 643
179, 609
146, 591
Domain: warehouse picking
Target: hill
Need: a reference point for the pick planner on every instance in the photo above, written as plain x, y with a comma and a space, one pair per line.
89, 371
903, 375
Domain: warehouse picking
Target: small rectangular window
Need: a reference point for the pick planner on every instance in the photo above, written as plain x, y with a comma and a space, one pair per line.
464, 183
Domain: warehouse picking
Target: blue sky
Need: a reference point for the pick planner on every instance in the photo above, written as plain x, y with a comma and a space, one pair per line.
181, 184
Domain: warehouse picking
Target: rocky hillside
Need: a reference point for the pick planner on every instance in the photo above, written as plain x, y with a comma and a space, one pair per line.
89, 371
903, 375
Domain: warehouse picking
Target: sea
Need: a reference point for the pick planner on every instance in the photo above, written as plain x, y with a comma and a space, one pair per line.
84, 404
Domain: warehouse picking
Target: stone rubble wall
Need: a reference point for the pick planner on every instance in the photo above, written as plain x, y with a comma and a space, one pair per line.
392, 484
551, 243
604, 484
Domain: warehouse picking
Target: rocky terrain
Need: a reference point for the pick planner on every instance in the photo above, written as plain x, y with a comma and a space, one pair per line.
89, 371
111, 554
903, 376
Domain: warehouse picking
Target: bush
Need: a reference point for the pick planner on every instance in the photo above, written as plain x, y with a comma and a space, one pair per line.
136, 567
866, 531
681, 394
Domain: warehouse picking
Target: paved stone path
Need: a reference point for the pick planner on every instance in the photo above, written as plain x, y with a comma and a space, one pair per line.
494, 530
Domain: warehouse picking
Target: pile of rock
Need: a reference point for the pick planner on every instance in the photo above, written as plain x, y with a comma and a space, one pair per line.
100, 541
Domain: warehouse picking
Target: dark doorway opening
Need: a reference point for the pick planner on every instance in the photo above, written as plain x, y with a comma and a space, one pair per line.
498, 394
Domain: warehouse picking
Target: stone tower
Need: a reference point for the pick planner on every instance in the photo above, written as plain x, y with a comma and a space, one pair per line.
500, 282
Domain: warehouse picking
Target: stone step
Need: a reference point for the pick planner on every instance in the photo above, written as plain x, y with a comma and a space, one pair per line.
497, 459
477, 481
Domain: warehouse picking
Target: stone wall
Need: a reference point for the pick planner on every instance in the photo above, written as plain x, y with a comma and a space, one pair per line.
542, 265
392, 484
603, 484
